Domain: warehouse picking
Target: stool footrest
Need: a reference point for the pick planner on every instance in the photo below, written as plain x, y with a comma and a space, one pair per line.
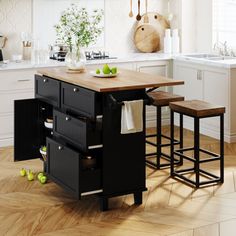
176, 142
215, 157
163, 156
212, 178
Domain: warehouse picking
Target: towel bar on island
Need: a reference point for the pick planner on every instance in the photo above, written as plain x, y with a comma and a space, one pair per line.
147, 101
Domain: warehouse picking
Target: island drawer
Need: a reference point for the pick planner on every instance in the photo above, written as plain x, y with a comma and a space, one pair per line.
48, 90
65, 168
77, 131
80, 100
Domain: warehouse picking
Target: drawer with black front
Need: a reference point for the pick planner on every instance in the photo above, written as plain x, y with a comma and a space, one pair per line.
48, 90
79, 132
64, 167
81, 101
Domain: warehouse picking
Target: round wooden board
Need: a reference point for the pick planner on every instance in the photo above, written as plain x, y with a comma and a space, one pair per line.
160, 24
147, 39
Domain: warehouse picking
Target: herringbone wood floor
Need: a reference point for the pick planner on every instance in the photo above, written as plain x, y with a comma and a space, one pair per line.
169, 207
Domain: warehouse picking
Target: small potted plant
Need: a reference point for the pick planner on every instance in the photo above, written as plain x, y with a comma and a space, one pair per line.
78, 29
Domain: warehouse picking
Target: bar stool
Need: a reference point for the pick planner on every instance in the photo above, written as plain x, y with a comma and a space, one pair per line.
197, 110
162, 99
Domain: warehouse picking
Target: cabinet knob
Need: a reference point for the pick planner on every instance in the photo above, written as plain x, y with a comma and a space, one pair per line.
75, 90
60, 148
67, 118
45, 80
199, 75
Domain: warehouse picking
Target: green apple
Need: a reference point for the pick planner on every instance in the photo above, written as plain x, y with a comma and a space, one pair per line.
40, 174
106, 69
43, 179
30, 176
114, 70
98, 71
23, 172
44, 148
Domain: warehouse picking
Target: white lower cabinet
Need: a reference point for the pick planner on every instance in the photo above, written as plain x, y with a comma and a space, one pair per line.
210, 84
14, 85
161, 68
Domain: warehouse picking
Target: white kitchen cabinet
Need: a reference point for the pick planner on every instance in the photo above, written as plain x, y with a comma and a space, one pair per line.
193, 83
161, 68
210, 84
14, 85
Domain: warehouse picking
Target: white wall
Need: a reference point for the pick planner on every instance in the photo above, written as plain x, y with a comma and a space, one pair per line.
118, 34
192, 17
15, 17
120, 28
46, 14
204, 26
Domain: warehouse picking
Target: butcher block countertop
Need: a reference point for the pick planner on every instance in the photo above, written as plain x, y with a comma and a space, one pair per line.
126, 80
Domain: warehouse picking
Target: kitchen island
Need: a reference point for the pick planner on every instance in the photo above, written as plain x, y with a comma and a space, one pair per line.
86, 113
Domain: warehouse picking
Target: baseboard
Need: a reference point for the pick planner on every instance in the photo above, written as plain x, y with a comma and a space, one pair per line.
6, 142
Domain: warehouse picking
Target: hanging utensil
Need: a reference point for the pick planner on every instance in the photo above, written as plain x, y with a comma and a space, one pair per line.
138, 17
146, 19
131, 9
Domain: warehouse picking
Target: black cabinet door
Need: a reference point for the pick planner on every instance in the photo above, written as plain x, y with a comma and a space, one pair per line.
26, 130
63, 166
80, 100
78, 132
47, 90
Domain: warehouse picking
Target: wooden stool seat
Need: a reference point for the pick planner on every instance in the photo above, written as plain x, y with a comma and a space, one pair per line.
197, 108
161, 98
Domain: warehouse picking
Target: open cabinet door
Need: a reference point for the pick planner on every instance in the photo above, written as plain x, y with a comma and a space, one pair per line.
26, 130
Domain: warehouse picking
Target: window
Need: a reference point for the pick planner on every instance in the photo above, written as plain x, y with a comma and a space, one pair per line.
224, 22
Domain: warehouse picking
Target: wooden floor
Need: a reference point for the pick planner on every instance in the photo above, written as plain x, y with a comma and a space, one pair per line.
169, 207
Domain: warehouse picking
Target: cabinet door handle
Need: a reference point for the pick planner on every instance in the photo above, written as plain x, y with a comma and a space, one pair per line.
67, 118
76, 90
45, 80
60, 148
199, 75
23, 80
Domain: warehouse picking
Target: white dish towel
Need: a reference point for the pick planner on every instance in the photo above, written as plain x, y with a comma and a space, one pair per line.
132, 117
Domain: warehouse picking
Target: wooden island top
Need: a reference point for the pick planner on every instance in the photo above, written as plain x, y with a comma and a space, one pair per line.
126, 80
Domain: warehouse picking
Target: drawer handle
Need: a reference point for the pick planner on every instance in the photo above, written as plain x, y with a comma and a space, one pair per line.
67, 118
23, 80
45, 80
60, 148
76, 90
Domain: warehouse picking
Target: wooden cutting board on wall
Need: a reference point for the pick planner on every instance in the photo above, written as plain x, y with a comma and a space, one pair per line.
148, 37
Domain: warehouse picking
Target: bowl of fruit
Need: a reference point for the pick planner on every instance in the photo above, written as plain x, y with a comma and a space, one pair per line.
105, 72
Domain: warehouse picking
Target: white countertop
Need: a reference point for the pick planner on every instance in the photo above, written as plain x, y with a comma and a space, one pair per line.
133, 57
229, 63
129, 58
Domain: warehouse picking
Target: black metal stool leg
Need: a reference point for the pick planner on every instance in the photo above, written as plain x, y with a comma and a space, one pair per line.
222, 148
196, 149
172, 143
158, 138
181, 136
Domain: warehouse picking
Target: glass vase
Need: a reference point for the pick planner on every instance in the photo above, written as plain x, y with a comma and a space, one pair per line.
75, 59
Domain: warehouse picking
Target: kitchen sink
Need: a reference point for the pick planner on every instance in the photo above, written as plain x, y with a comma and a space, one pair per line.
202, 56
211, 57
221, 58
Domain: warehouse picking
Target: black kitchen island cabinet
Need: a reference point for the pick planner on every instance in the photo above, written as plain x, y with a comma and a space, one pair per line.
86, 114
